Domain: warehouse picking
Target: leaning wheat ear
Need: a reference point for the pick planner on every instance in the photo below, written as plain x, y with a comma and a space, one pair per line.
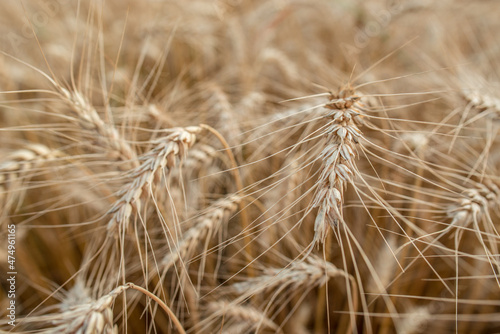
342, 134
89, 316
82, 314
15, 166
205, 227
312, 271
161, 158
305, 274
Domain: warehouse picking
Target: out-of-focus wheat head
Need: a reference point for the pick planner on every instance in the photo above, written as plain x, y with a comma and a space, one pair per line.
251, 166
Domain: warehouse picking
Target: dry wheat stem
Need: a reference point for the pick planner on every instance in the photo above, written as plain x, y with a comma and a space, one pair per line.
245, 221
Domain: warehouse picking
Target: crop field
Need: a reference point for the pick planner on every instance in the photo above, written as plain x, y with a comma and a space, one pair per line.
238, 166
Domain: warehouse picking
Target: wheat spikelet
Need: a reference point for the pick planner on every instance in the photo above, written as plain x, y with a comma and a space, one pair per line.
339, 168
161, 158
82, 314
226, 117
283, 283
385, 265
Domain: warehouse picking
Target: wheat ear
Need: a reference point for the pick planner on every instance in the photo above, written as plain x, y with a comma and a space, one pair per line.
342, 134
15, 166
207, 225
84, 315
312, 271
95, 316
161, 158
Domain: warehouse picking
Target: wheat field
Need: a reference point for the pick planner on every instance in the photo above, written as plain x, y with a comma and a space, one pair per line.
237, 166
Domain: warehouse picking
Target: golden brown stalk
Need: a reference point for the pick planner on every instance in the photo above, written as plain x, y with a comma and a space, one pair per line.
245, 221
167, 310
